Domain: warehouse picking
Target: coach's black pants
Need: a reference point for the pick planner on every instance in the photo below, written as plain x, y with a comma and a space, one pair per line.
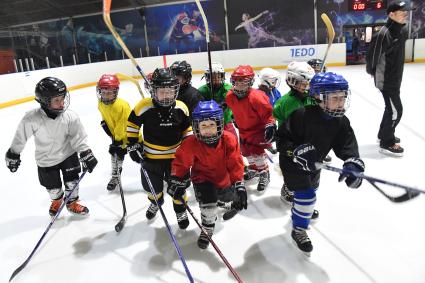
391, 117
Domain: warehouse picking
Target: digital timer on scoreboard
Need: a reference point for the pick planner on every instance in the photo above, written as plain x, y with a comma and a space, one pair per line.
363, 5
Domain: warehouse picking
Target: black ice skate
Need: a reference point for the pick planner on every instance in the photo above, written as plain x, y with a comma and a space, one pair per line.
263, 181
182, 219
249, 174
113, 184
286, 195
302, 240
152, 210
229, 214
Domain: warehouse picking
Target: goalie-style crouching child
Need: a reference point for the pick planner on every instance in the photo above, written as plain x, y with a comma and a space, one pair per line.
165, 122
115, 112
213, 158
306, 137
59, 136
253, 115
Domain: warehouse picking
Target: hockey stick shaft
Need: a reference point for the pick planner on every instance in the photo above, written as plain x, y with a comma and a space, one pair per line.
22, 266
207, 39
226, 262
173, 239
331, 35
121, 223
368, 178
108, 22
133, 80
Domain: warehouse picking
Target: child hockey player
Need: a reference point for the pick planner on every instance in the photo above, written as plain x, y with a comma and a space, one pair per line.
316, 64
59, 136
308, 135
114, 113
220, 89
298, 78
199, 155
187, 93
165, 123
253, 115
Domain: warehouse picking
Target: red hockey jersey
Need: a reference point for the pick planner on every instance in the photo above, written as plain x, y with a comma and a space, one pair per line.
221, 165
252, 113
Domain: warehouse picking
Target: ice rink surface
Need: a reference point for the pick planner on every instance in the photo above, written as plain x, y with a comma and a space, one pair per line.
359, 237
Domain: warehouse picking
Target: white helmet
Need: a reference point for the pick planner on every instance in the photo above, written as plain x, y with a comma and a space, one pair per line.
299, 74
269, 77
216, 68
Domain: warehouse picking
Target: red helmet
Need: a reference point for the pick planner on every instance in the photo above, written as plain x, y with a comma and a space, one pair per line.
243, 72
107, 83
242, 79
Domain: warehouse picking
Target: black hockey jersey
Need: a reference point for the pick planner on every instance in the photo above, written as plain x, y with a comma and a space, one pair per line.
163, 127
311, 125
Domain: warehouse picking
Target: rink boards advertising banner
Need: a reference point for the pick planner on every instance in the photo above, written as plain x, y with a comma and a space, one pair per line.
179, 28
269, 23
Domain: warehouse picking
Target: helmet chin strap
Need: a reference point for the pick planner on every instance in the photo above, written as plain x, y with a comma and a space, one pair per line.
49, 113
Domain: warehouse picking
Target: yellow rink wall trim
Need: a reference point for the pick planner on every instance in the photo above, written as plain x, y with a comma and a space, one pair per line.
80, 86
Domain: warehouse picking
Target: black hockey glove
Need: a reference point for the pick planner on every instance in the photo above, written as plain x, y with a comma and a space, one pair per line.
105, 128
305, 156
115, 148
177, 187
355, 165
269, 133
88, 160
240, 201
136, 152
13, 160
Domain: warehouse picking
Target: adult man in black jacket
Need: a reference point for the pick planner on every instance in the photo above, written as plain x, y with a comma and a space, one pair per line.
385, 62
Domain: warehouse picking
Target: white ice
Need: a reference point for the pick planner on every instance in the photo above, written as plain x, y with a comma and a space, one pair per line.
359, 237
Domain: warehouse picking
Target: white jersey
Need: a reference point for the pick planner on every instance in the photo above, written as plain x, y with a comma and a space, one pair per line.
55, 139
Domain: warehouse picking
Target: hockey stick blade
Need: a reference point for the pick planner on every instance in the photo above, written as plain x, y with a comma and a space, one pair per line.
120, 225
22, 266
411, 192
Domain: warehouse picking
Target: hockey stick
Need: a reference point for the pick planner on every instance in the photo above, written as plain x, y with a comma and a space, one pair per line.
108, 22
133, 80
232, 270
176, 245
22, 266
410, 193
207, 39
120, 224
331, 36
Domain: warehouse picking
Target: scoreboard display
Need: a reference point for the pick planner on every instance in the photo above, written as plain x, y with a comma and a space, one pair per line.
364, 5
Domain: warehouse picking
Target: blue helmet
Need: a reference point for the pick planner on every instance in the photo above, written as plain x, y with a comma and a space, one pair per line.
324, 86
208, 110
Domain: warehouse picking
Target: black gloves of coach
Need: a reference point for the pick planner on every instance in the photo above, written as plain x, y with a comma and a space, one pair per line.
305, 156
88, 160
241, 201
177, 187
136, 152
13, 160
352, 165
269, 133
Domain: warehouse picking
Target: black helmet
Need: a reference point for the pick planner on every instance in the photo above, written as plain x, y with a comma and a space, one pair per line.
164, 78
48, 88
317, 64
182, 68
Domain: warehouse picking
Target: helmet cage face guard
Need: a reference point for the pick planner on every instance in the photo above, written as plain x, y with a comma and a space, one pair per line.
219, 121
208, 77
293, 80
102, 91
246, 82
165, 101
332, 104
46, 102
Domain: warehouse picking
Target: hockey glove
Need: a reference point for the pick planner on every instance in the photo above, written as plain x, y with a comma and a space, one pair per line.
115, 148
240, 201
269, 133
305, 156
105, 128
177, 187
352, 164
13, 160
88, 160
136, 152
